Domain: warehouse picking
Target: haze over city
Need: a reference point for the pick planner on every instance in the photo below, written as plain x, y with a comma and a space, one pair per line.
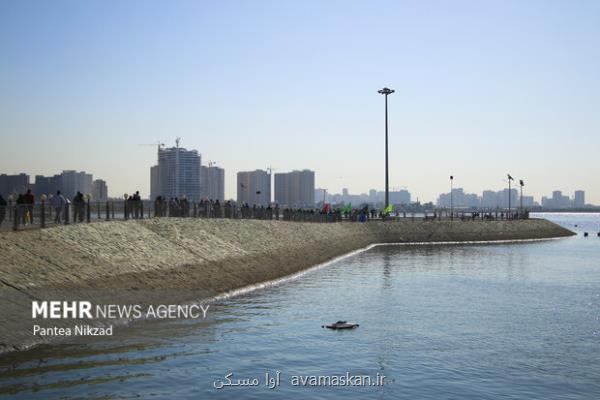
481, 91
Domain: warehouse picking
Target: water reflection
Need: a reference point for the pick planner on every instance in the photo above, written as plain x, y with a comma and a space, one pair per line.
443, 321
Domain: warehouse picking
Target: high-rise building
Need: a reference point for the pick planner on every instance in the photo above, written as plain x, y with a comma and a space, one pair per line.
556, 201
400, 197
459, 199
372, 196
212, 182
579, 199
528, 201
47, 184
99, 190
68, 182
489, 199
154, 182
178, 174
13, 184
503, 198
295, 189
254, 187
559, 200
73, 182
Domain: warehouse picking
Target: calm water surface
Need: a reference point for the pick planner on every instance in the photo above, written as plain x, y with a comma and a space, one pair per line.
498, 321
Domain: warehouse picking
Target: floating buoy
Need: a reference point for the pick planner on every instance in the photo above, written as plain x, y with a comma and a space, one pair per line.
585, 234
341, 325
598, 234
575, 225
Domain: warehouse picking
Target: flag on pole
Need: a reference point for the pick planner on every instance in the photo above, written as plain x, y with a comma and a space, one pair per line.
347, 208
388, 210
325, 208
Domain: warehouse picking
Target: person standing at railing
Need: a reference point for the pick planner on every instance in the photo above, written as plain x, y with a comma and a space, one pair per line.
158, 207
29, 201
228, 209
2, 209
206, 209
19, 213
78, 206
136, 202
58, 203
217, 209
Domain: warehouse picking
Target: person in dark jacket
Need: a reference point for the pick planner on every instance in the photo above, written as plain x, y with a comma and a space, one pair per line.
78, 206
20, 209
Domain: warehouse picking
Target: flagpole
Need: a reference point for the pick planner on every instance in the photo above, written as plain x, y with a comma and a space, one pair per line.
386, 91
510, 178
451, 199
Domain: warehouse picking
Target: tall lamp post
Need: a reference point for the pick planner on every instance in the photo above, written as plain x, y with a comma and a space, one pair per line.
510, 178
386, 91
451, 198
521, 183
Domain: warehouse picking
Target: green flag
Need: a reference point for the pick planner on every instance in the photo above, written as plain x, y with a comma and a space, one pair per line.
388, 209
347, 208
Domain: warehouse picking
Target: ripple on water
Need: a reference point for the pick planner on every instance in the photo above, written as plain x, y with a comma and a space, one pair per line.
483, 321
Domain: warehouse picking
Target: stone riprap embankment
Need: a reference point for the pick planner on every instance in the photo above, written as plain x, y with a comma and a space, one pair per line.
178, 260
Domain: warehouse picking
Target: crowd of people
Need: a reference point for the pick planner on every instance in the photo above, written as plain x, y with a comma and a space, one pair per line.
134, 206
24, 211
24, 203
208, 208
61, 208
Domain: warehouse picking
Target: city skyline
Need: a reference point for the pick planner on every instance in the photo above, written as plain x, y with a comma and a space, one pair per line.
247, 84
393, 188
250, 183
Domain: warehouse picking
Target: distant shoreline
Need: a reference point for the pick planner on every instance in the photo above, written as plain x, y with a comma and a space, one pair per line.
567, 212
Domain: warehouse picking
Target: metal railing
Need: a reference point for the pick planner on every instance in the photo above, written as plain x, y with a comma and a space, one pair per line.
44, 215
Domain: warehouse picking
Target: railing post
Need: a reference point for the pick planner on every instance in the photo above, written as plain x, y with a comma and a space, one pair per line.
16, 217
88, 212
67, 213
43, 216
112, 208
125, 209
98, 208
142, 209
107, 210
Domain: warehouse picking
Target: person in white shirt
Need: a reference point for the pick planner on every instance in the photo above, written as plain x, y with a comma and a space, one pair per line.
58, 202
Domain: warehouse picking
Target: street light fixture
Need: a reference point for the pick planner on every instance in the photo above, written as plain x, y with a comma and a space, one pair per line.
386, 91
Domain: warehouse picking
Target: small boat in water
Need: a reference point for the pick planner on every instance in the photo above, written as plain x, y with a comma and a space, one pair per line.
341, 325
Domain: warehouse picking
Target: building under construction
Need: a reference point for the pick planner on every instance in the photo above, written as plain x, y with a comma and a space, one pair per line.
177, 174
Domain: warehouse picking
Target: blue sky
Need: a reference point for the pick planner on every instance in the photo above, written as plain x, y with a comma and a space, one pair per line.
482, 88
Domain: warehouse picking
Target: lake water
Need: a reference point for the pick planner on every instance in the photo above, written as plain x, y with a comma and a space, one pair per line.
493, 321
